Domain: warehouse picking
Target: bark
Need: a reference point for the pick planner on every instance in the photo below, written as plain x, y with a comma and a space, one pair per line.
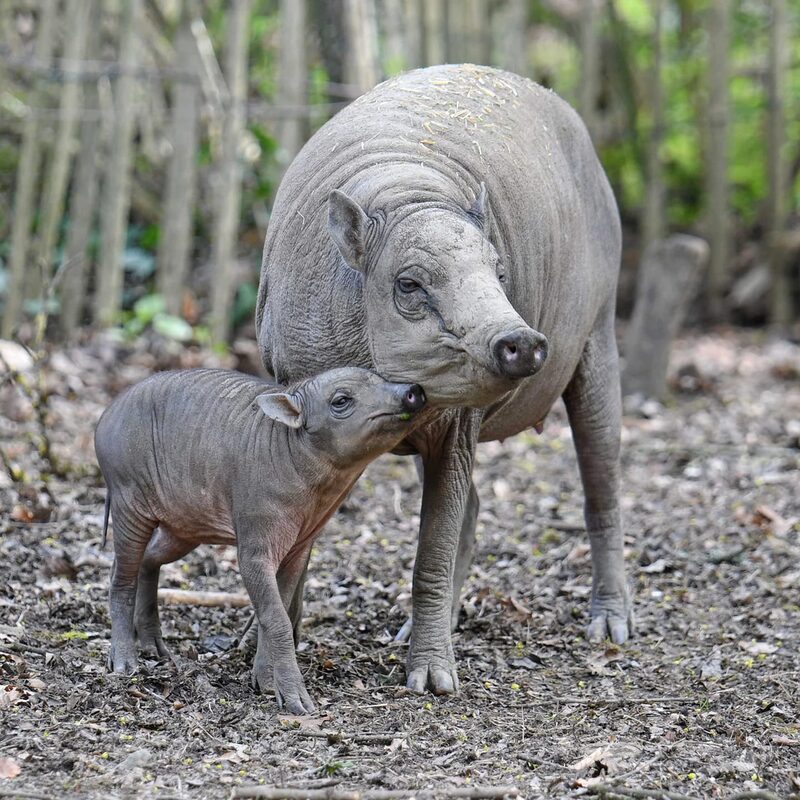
78, 14
468, 31
361, 65
781, 310
116, 185
82, 202
226, 224
433, 27
668, 279
512, 35
175, 243
653, 212
395, 55
589, 30
292, 75
412, 13
717, 188
19, 265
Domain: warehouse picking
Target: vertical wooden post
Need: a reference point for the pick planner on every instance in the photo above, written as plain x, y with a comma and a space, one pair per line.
226, 224
590, 64
513, 36
781, 301
27, 178
361, 64
434, 31
395, 30
717, 185
653, 212
292, 75
83, 194
414, 33
175, 243
77, 18
116, 185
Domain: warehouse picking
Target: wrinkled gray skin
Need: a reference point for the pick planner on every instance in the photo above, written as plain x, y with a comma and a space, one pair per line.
217, 457
453, 227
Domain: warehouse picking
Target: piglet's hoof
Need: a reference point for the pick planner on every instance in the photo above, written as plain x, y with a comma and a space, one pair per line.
122, 659
290, 691
153, 647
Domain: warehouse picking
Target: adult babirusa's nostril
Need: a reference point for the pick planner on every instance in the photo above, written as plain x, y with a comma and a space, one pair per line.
413, 398
519, 353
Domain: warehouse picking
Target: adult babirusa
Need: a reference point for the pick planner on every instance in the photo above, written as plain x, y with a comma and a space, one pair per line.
454, 228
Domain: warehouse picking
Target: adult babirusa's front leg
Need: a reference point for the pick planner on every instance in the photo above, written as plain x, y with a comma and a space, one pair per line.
447, 458
594, 407
275, 661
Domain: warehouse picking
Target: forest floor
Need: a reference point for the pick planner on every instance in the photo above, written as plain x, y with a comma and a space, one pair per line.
704, 701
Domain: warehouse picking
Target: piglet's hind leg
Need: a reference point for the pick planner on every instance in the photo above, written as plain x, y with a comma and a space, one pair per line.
131, 535
163, 548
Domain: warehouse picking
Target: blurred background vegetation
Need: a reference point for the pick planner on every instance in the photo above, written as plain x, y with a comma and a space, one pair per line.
142, 141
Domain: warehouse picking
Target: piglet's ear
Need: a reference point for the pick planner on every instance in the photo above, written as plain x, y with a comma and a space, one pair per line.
284, 408
480, 210
347, 224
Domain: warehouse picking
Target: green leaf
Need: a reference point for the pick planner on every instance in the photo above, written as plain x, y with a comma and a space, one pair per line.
172, 327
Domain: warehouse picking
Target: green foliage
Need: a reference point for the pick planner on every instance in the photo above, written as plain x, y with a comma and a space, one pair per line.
150, 312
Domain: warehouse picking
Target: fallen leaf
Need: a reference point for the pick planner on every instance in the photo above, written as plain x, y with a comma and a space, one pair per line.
659, 565
758, 648
9, 768
9, 696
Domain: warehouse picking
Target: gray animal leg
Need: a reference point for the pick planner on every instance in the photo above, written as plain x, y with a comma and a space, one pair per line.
163, 548
466, 551
275, 662
595, 410
446, 487
132, 532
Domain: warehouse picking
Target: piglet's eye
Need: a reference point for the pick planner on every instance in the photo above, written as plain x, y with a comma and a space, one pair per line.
341, 402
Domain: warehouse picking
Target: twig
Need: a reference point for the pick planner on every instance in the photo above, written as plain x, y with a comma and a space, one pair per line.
190, 598
468, 792
25, 794
612, 792
340, 736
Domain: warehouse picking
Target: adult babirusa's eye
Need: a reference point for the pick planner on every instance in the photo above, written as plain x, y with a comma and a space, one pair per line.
407, 285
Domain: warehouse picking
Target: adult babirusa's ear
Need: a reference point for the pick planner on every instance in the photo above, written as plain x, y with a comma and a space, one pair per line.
284, 408
480, 210
347, 224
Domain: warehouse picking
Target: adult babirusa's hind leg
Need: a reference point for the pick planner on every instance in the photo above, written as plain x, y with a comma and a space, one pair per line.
132, 532
163, 548
594, 407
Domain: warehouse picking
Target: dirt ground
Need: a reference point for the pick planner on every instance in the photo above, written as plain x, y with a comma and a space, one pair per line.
705, 701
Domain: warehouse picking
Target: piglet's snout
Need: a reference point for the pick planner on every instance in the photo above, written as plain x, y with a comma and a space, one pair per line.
413, 398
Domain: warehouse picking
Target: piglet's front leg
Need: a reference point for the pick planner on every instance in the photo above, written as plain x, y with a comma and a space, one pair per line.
275, 662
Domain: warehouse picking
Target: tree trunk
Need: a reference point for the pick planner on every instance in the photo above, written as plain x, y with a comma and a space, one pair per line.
590, 64
781, 310
175, 243
116, 184
55, 187
512, 36
668, 278
414, 33
226, 224
434, 32
292, 76
653, 213
82, 200
395, 55
27, 178
468, 31
361, 65
717, 188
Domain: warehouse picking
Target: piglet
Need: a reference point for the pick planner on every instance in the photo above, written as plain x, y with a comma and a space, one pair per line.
217, 457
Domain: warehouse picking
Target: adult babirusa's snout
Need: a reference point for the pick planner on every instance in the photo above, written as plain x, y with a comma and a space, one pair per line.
519, 353
413, 398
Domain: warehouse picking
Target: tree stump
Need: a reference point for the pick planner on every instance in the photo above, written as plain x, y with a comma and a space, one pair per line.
668, 279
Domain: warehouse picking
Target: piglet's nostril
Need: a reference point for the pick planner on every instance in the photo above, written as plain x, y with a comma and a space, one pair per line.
413, 398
